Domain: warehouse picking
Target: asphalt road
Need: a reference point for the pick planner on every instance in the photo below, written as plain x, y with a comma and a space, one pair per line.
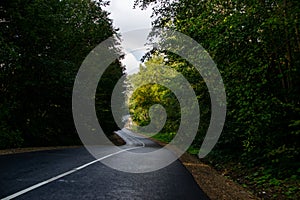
74, 174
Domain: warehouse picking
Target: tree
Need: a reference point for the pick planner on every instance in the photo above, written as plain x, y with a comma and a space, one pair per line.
256, 47
147, 92
43, 43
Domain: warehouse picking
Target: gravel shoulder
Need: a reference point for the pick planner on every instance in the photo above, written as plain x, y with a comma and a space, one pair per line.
212, 182
32, 149
113, 137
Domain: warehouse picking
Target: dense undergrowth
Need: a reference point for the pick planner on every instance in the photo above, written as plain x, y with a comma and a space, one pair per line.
263, 181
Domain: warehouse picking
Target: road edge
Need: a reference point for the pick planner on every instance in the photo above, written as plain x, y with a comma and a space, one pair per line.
213, 183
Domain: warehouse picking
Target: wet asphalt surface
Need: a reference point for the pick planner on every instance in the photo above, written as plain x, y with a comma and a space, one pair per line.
97, 181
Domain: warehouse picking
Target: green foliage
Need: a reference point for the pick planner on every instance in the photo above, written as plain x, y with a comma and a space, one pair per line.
164, 137
256, 45
103, 97
43, 43
10, 138
148, 95
259, 69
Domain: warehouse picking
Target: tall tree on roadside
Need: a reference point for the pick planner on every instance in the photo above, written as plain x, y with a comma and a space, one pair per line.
43, 43
256, 47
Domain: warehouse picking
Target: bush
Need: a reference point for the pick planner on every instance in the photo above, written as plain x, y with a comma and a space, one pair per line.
9, 138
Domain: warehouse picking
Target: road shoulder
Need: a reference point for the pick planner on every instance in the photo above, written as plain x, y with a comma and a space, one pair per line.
212, 182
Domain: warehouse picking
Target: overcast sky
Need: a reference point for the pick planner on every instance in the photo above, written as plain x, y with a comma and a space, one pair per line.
128, 19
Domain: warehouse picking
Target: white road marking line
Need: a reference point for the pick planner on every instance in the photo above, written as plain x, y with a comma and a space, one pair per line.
132, 137
64, 174
136, 139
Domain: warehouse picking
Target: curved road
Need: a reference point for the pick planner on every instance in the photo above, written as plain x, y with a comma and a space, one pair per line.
75, 174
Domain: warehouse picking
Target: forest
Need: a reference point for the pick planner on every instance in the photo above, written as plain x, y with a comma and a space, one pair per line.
43, 44
255, 45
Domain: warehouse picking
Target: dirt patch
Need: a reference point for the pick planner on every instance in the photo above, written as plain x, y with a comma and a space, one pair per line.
31, 149
114, 138
212, 182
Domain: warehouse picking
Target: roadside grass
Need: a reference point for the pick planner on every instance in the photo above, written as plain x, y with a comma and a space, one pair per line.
256, 179
167, 137
259, 180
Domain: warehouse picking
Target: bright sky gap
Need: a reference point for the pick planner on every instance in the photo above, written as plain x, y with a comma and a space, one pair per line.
127, 19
